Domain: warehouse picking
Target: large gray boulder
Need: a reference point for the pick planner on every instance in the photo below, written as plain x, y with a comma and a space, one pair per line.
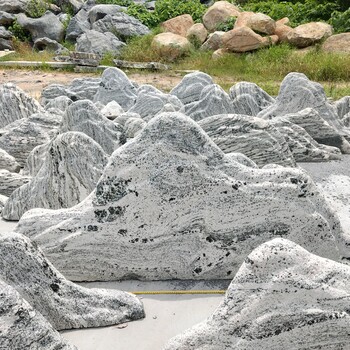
249, 98
78, 89
11, 181
22, 136
15, 104
83, 116
44, 43
13, 6
254, 137
99, 43
282, 297
64, 304
78, 25
122, 25
173, 198
343, 110
116, 86
297, 92
76, 5
151, 101
100, 11
48, 26
72, 165
24, 327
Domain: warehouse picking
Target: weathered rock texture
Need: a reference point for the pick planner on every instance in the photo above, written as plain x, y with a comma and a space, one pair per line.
8, 162
171, 191
78, 89
249, 98
72, 166
337, 43
116, 86
48, 26
297, 92
84, 116
99, 43
78, 25
3, 200
121, 25
151, 101
22, 136
22, 327
178, 25
13, 6
254, 137
64, 304
102, 10
257, 21
15, 104
282, 297
343, 110
11, 181
303, 147
197, 33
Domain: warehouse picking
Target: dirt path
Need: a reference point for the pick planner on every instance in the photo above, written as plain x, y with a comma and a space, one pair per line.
33, 81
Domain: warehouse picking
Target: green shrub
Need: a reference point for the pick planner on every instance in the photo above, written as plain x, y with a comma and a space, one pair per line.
140, 12
36, 8
341, 21
227, 25
115, 2
19, 32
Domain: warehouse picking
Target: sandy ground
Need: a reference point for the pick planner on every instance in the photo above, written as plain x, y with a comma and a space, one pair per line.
34, 81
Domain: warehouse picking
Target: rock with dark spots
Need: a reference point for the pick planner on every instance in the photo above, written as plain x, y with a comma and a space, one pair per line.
121, 25
60, 102
78, 89
133, 127
78, 25
116, 86
282, 297
20, 137
320, 130
213, 100
151, 101
254, 137
44, 43
11, 181
249, 98
190, 87
8, 162
83, 116
48, 26
64, 304
99, 43
23, 327
303, 147
72, 165
297, 92
102, 10
15, 104
342, 107
242, 159
172, 192
6, 19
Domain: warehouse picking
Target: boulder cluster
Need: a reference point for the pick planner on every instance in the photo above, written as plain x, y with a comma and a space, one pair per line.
251, 31
113, 180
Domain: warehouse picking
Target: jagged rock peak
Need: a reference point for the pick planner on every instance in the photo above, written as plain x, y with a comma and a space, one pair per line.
64, 304
85, 117
72, 165
15, 104
249, 98
282, 297
171, 186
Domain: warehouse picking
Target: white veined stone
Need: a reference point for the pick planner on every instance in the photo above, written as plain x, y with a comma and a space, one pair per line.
171, 205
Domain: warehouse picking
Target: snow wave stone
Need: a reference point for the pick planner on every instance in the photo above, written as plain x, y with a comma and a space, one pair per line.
171, 205
282, 297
